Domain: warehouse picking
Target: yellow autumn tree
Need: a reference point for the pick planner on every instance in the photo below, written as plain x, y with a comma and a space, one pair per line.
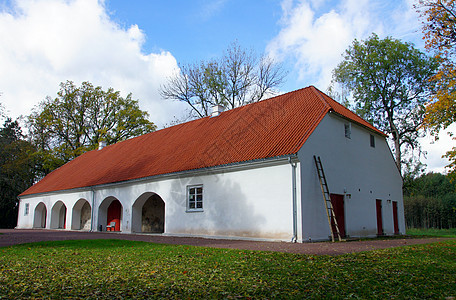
439, 28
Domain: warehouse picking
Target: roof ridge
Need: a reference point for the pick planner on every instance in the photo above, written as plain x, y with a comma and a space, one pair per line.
361, 120
264, 100
223, 112
318, 93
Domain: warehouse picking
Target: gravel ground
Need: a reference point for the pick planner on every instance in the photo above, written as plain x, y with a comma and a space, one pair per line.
10, 237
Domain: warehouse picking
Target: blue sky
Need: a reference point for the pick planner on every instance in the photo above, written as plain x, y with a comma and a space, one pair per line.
199, 30
134, 46
194, 30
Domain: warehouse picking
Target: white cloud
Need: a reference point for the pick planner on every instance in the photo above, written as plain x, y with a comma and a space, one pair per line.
435, 149
48, 42
211, 8
315, 33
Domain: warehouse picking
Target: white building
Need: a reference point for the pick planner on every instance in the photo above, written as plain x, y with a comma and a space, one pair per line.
244, 173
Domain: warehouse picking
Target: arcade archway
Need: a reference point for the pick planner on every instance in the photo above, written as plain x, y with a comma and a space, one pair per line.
58, 215
110, 214
82, 215
148, 214
39, 219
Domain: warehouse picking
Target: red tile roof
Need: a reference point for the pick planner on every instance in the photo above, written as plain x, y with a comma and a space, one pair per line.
271, 128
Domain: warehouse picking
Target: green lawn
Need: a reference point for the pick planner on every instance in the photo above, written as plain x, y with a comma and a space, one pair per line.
432, 232
105, 269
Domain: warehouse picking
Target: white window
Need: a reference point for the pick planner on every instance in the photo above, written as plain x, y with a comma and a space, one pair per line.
27, 208
195, 198
347, 130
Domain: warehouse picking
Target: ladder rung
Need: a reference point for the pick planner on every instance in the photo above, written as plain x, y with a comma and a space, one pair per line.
327, 197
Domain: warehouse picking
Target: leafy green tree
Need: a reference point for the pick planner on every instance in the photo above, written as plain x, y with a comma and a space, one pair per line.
389, 83
79, 118
430, 202
431, 185
16, 170
237, 78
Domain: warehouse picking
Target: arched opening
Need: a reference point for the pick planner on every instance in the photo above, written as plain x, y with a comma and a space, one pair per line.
110, 214
58, 215
114, 215
148, 214
39, 219
82, 215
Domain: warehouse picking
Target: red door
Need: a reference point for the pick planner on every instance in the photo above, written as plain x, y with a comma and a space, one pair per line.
395, 219
379, 217
114, 212
337, 202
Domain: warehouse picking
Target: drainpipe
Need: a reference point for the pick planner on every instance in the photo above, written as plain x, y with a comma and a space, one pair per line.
19, 213
293, 195
93, 208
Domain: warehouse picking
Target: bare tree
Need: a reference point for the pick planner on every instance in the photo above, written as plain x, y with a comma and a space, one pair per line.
237, 78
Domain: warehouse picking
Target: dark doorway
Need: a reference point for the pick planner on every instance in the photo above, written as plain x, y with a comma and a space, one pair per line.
114, 214
379, 217
82, 215
153, 215
62, 217
395, 218
337, 202
58, 215
43, 219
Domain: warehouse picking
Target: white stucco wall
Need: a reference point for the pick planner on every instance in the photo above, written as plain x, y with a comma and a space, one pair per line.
248, 202
355, 169
68, 198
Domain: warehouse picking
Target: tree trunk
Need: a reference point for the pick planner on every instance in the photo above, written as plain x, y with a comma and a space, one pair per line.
396, 139
397, 153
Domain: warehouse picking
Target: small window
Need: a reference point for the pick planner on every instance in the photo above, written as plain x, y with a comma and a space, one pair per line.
372, 141
195, 198
27, 208
347, 130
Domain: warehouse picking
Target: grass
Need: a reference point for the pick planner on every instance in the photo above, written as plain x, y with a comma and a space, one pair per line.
432, 232
106, 269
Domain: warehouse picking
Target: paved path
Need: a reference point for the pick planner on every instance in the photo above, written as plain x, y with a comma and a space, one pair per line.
19, 236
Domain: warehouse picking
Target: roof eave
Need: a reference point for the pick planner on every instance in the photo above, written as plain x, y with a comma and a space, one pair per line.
257, 163
377, 131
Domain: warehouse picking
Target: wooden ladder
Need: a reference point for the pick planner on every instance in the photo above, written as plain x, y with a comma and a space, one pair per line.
327, 199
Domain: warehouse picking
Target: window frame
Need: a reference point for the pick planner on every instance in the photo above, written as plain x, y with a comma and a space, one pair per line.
195, 194
26, 209
372, 140
347, 130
